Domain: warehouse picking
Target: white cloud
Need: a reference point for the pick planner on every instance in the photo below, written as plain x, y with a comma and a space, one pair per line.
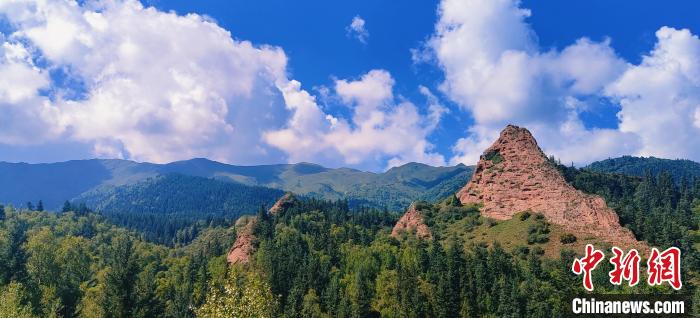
381, 133
660, 97
156, 86
357, 29
22, 110
495, 70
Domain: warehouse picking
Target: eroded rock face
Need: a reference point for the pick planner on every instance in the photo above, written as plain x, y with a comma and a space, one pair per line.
412, 221
244, 246
514, 175
283, 203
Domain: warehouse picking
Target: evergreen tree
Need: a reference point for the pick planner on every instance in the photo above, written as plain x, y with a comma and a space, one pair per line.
67, 207
120, 279
40, 206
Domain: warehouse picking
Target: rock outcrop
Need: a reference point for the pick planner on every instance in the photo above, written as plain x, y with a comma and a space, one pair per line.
412, 221
283, 203
514, 175
244, 246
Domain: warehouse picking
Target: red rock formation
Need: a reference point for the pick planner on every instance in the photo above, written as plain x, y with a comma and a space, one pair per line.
283, 203
244, 246
412, 221
514, 175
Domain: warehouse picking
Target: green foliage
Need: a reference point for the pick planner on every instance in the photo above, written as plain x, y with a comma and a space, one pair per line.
525, 215
70, 265
13, 303
494, 156
539, 232
173, 209
245, 295
639, 166
567, 238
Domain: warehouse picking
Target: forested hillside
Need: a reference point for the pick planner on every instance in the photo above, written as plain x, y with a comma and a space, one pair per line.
174, 208
639, 166
80, 265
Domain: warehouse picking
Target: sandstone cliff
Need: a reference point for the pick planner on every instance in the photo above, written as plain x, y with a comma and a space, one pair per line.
514, 175
244, 246
283, 203
412, 221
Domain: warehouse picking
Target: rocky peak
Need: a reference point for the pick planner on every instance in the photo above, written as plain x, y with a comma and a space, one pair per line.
283, 203
412, 221
514, 175
244, 246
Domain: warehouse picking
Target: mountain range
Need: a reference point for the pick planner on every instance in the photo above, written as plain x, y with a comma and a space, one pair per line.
96, 181
99, 180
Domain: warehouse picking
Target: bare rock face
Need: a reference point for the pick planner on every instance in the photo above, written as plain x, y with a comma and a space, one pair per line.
283, 203
514, 175
412, 221
244, 246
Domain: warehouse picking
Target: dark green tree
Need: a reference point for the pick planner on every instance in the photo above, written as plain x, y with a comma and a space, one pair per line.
121, 278
67, 207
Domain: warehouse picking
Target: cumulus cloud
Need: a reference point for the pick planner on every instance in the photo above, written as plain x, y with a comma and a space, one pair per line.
129, 81
157, 86
357, 29
495, 69
22, 110
660, 97
383, 128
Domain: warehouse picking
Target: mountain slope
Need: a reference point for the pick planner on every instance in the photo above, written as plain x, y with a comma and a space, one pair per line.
514, 175
56, 182
173, 208
638, 166
181, 194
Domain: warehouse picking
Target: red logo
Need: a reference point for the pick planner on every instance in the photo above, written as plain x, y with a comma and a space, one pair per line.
587, 264
662, 267
626, 268
665, 267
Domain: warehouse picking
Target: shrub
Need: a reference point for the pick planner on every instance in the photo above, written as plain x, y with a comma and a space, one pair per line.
525, 216
491, 222
521, 251
494, 156
538, 232
567, 238
537, 250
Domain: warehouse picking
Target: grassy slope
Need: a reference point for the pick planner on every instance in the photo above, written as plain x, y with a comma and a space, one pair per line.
513, 233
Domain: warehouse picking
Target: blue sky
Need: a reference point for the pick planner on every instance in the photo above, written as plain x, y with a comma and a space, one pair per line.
319, 49
297, 83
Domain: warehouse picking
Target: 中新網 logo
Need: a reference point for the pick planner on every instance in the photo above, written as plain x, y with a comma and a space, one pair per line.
662, 267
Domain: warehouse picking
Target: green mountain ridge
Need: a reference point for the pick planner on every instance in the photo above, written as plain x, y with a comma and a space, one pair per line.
79, 179
639, 166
